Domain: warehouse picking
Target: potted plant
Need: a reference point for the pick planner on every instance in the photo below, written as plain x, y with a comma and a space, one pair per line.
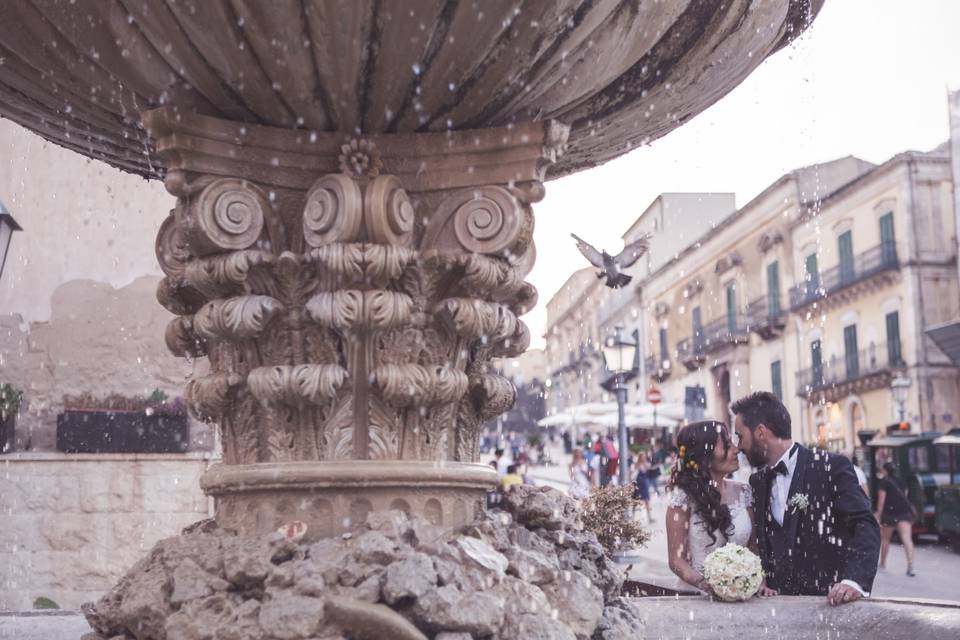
121, 424
10, 399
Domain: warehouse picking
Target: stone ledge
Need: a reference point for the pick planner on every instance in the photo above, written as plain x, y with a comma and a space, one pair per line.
42, 625
54, 456
799, 618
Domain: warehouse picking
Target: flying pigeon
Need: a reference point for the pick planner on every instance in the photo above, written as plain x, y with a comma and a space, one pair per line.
611, 266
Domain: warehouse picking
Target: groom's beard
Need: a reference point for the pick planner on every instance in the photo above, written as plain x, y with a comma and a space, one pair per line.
755, 457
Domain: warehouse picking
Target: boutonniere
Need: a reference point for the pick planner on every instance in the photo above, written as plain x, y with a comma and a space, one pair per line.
798, 502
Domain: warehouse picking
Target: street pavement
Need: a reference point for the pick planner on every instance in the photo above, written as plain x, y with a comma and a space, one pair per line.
937, 566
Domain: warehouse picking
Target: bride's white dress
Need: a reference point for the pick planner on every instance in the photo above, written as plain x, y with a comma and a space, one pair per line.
698, 541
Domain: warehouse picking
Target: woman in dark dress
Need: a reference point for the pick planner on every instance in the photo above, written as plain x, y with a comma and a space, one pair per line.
894, 511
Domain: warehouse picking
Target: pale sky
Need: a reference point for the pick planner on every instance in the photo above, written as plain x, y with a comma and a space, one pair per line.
869, 78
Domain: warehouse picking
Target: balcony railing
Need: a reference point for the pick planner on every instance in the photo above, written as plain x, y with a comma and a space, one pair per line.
766, 316
690, 352
657, 368
870, 363
724, 331
881, 258
712, 337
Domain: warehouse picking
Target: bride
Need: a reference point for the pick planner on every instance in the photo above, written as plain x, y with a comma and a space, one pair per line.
706, 510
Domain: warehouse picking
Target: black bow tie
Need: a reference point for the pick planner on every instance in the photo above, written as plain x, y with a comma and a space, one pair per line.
780, 468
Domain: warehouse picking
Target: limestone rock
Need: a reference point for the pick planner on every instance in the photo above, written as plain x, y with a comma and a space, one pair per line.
393, 524
532, 567
483, 555
457, 635
245, 561
578, 602
200, 619
191, 582
448, 609
288, 616
541, 507
374, 547
495, 579
411, 577
622, 620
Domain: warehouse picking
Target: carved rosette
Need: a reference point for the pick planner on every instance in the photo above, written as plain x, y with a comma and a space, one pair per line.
351, 317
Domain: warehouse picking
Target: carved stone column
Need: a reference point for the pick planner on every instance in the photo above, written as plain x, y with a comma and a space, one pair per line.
348, 294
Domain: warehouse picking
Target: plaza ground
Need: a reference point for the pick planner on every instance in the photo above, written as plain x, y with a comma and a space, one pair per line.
937, 567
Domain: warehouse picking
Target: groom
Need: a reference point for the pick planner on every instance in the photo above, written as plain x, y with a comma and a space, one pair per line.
815, 529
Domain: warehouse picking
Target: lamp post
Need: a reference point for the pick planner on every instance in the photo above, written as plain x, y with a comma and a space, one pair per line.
619, 355
7, 226
900, 387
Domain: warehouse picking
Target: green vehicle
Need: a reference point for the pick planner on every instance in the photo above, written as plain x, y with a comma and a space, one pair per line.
948, 496
922, 465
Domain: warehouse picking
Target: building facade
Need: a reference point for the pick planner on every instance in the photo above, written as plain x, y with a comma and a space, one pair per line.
572, 340
820, 289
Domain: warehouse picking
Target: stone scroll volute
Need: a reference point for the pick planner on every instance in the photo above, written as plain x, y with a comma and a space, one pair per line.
352, 317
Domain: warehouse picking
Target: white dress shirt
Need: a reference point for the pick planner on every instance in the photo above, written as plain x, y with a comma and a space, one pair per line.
780, 493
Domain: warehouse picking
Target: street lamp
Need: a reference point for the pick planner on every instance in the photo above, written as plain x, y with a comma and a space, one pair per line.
7, 226
619, 356
900, 387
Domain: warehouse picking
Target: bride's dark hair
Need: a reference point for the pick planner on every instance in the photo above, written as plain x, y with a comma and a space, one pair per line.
696, 443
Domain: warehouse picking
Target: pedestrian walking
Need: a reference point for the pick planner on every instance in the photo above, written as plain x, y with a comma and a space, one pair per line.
641, 489
895, 513
580, 482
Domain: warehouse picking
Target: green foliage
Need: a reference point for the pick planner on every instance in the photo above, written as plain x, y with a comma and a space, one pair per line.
10, 399
45, 603
157, 396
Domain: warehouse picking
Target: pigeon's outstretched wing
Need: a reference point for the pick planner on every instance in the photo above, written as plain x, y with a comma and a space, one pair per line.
591, 254
632, 252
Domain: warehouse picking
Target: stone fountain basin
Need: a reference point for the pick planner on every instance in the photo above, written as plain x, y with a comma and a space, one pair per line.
686, 618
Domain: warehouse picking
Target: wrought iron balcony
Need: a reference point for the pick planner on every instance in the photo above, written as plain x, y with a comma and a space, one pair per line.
658, 368
870, 368
716, 335
767, 317
879, 259
725, 331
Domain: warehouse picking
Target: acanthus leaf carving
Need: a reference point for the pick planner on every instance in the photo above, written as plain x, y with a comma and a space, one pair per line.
383, 263
177, 298
237, 318
313, 383
345, 260
224, 274
492, 395
406, 385
181, 339
471, 318
209, 397
351, 309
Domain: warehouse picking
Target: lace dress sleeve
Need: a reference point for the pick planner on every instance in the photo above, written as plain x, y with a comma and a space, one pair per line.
679, 499
746, 496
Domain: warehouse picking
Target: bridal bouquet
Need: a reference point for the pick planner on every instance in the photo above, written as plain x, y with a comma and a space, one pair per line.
733, 572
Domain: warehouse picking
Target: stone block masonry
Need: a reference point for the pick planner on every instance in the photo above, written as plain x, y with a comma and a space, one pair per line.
70, 525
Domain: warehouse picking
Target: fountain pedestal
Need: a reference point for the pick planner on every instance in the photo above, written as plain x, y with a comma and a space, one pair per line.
348, 293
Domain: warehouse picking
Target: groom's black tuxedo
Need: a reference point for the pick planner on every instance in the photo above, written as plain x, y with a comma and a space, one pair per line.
836, 538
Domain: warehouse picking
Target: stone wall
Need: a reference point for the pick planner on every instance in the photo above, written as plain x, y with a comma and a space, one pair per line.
71, 525
99, 340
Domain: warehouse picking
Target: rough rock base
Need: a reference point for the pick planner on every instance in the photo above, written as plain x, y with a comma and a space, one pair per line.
527, 571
